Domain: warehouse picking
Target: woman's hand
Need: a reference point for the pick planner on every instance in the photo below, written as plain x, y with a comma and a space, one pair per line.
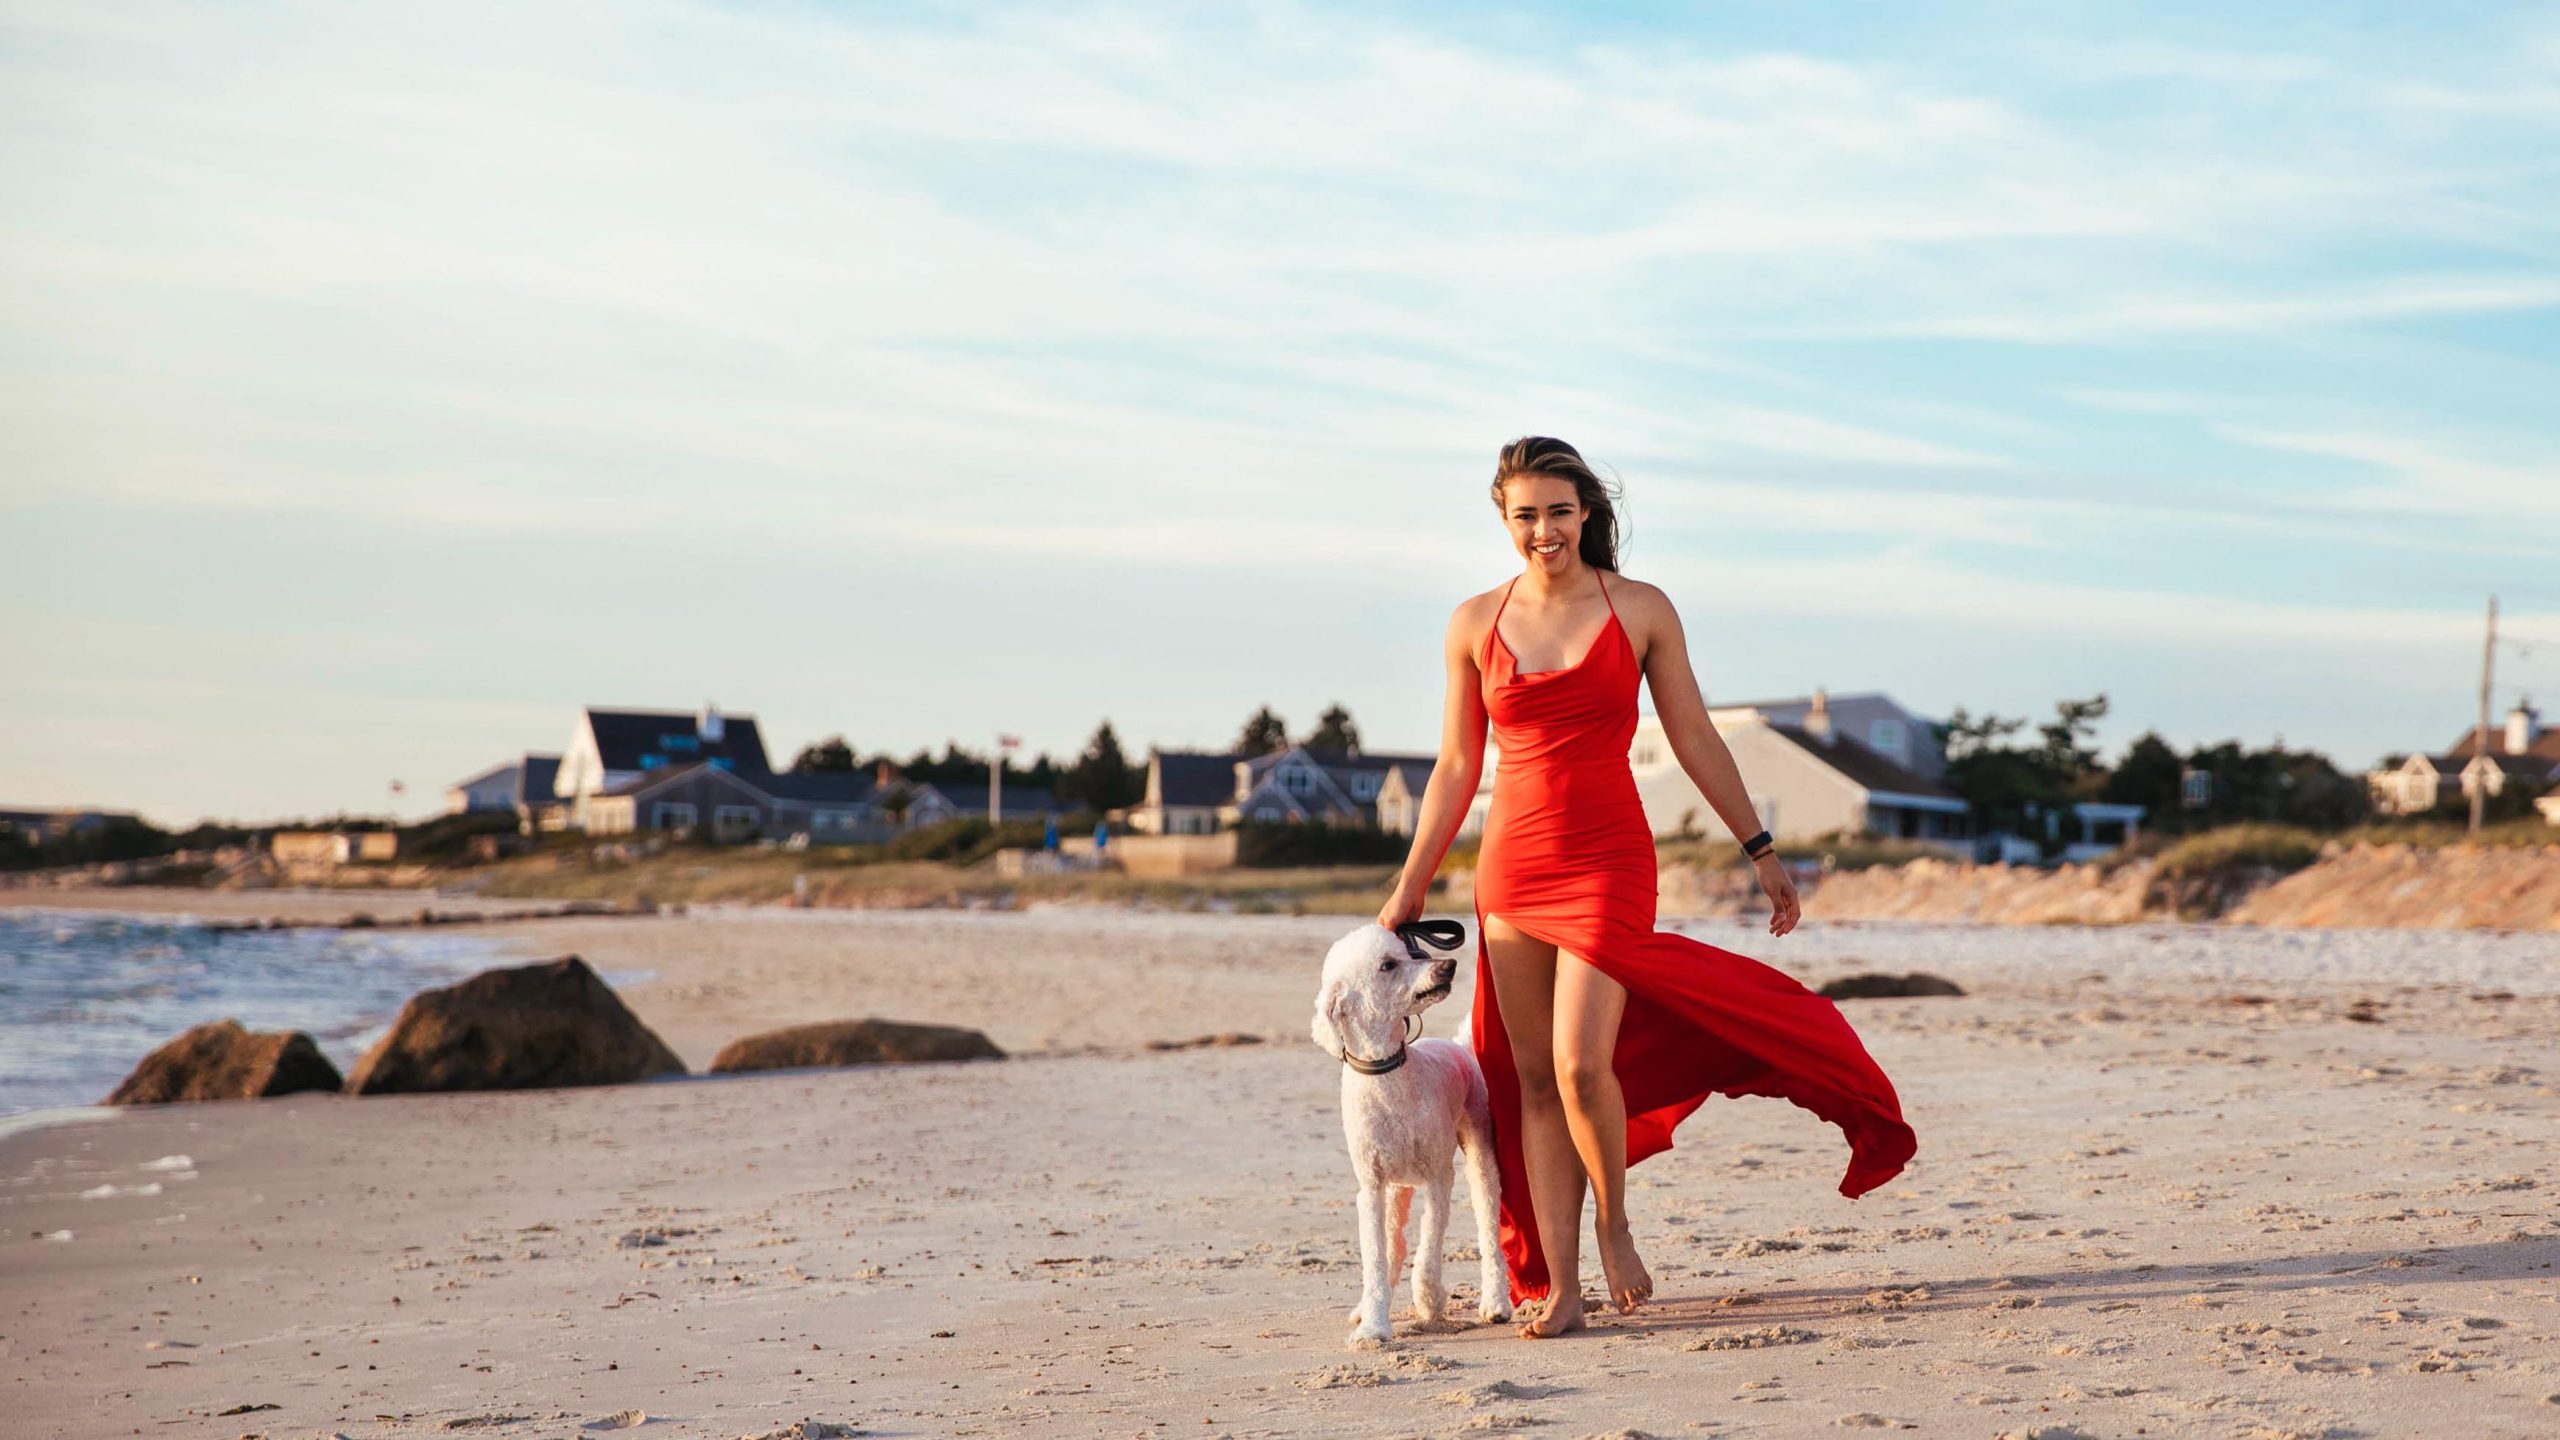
1784, 909
1404, 906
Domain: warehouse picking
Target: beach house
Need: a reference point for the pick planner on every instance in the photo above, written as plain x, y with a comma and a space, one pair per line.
514, 785
2517, 752
1198, 793
1859, 765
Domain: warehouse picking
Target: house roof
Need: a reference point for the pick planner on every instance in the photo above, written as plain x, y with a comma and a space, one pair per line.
818, 787
1793, 702
531, 773
1865, 767
651, 780
625, 739
479, 778
1018, 799
1191, 777
2528, 764
2546, 747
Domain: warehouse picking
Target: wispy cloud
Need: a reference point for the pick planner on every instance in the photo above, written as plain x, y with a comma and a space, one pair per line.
1246, 299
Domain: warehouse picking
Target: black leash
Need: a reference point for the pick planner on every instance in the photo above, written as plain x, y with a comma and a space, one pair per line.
1439, 935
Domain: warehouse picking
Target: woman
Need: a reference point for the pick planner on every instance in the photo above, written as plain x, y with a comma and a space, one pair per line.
1599, 1034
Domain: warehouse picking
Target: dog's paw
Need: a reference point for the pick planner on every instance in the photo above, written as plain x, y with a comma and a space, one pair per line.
1493, 1314
1365, 1336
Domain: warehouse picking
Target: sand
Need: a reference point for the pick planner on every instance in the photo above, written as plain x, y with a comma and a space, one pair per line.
2169, 1184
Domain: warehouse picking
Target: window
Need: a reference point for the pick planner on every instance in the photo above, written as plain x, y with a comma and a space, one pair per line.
1266, 813
735, 821
1298, 780
1364, 786
671, 815
1887, 737
2195, 789
831, 820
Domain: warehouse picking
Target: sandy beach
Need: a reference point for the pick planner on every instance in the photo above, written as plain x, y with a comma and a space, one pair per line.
2173, 1180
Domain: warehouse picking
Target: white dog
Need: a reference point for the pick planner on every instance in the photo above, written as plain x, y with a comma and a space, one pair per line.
1407, 1106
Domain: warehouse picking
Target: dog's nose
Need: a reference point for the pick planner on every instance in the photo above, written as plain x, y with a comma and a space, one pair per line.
1446, 972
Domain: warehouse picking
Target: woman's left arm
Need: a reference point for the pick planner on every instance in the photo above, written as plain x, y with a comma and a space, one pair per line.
1701, 750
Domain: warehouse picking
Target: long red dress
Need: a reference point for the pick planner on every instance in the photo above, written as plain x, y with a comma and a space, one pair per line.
1568, 857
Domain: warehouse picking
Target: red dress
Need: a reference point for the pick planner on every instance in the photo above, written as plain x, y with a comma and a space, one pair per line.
1568, 857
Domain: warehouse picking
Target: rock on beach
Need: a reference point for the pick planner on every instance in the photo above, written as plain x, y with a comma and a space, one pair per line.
525, 1027
853, 1042
224, 1060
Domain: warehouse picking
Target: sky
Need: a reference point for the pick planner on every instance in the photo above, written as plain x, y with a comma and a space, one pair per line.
380, 384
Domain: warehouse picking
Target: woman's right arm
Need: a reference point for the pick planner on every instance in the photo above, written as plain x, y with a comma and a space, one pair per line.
1453, 776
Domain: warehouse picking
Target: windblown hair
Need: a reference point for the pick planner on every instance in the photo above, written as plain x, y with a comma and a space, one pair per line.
1546, 455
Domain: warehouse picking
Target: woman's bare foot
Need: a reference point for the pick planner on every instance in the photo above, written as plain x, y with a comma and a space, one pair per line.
1630, 1284
1562, 1313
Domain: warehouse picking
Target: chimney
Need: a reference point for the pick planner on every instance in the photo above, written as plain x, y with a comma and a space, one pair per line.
709, 726
2524, 726
1817, 721
884, 775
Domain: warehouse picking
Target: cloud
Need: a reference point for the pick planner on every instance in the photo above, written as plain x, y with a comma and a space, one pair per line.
2423, 477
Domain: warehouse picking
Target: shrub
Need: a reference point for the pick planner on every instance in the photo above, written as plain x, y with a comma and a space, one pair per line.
2273, 847
1267, 846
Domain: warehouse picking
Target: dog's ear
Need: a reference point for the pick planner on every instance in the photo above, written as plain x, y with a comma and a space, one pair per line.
1327, 1028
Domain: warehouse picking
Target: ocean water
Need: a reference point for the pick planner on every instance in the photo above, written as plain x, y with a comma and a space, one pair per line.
84, 994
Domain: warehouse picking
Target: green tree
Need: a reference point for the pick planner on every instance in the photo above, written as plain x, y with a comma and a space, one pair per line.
1334, 731
1263, 734
831, 755
1102, 778
2148, 775
2004, 784
2070, 753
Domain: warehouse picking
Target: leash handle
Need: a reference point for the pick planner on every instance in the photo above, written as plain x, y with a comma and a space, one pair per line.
1438, 934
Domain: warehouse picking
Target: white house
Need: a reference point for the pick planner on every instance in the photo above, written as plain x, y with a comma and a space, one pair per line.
2519, 752
1809, 775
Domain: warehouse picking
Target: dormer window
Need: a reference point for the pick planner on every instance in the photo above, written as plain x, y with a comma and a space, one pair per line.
1889, 737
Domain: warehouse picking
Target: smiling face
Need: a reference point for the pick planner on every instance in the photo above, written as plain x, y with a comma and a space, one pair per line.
1544, 515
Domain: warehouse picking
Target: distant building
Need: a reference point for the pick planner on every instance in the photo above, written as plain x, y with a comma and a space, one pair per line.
1192, 793
610, 750
43, 827
1302, 785
1020, 802
513, 786
1812, 768
2519, 752
1185, 791
334, 847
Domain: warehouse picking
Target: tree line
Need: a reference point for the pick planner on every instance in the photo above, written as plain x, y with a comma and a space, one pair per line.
1100, 777
2007, 773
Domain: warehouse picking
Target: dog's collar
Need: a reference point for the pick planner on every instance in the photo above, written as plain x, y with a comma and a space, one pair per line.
1413, 1024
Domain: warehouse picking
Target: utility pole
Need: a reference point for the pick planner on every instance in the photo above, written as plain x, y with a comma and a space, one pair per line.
1005, 745
2480, 737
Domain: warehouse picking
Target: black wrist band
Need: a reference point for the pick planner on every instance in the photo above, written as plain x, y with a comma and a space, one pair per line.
1758, 845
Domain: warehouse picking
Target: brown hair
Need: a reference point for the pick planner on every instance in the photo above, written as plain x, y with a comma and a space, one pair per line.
1546, 455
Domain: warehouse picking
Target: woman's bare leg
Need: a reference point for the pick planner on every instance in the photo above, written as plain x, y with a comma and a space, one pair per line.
1588, 1005
1524, 975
